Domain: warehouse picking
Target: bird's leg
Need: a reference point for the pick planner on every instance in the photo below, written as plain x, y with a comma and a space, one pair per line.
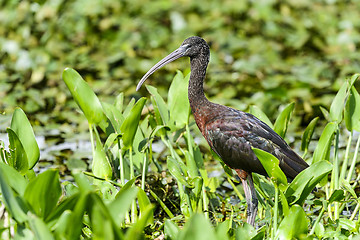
250, 195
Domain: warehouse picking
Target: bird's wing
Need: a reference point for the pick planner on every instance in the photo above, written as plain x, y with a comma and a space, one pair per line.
233, 135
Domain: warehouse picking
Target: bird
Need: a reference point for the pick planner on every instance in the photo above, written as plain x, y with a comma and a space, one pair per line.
231, 133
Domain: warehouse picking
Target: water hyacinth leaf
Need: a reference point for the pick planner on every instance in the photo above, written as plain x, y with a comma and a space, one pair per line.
131, 122
257, 112
100, 165
298, 190
271, 165
294, 225
352, 111
178, 102
43, 192
84, 96
15, 180
22, 127
198, 227
337, 106
13, 204
37, 225
18, 158
306, 138
176, 171
160, 104
171, 230
143, 202
282, 121
322, 149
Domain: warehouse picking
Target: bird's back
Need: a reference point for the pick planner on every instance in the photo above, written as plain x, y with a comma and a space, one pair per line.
232, 134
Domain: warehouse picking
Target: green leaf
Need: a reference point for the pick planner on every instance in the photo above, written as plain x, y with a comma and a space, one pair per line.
282, 121
160, 105
131, 122
298, 190
306, 138
15, 205
15, 180
336, 196
37, 225
84, 96
101, 166
337, 106
18, 158
178, 102
143, 202
257, 112
122, 204
22, 127
245, 232
294, 225
171, 230
114, 115
353, 79
352, 111
271, 165
198, 227
176, 172
43, 192
323, 147
137, 230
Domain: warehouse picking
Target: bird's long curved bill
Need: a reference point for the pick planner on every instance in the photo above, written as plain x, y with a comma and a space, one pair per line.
178, 53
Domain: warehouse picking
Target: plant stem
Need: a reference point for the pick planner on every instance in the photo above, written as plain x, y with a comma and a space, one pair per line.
317, 220
144, 172
336, 173
92, 140
355, 211
351, 170
193, 170
275, 211
122, 172
241, 197
205, 201
346, 157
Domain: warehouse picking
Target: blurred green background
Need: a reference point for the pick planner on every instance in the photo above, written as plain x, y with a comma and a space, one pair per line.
263, 52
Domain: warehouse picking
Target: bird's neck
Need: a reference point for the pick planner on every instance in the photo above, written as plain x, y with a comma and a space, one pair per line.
196, 89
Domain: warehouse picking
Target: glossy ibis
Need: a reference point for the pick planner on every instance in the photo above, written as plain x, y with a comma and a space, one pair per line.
229, 132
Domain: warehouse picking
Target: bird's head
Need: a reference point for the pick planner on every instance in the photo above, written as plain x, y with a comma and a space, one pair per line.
191, 47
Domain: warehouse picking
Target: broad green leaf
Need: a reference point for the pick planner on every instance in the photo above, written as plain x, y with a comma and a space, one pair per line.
67, 204
284, 203
143, 202
282, 121
73, 230
171, 229
84, 96
37, 225
176, 171
246, 232
323, 147
137, 229
18, 158
22, 127
222, 229
15, 180
257, 112
306, 138
336, 196
61, 224
15, 205
353, 79
352, 111
271, 165
160, 104
131, 122
101, 166
122, 204
337, 106
114, 115
298, 190
294, 225
178, 102
83, 183
349, 225
43, 192
198, 227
